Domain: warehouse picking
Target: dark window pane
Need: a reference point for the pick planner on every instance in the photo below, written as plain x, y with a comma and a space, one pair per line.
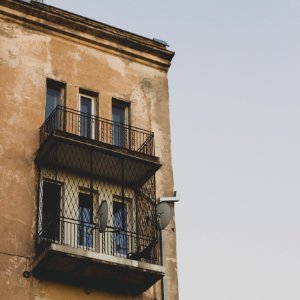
52, 100
51, 210
85, 120
118, 114
86, 105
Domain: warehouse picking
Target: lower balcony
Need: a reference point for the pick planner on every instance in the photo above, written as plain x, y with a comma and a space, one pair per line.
99, 262
125, 257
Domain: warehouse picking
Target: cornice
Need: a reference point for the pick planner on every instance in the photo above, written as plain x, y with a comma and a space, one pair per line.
96, 34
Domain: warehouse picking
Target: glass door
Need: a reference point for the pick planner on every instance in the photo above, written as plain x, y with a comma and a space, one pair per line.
118, 118
85, 218
120, 227
54, 97
86, 122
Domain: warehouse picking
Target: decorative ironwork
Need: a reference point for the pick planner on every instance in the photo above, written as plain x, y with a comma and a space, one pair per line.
73, 181
105, 131
68, 205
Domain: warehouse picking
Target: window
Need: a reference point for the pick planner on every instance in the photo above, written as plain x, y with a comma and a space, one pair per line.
120, 119
120, 226
55, 96
87, 121
51, 210
85, 218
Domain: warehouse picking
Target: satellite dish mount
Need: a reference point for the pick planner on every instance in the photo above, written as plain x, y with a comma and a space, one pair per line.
163, 210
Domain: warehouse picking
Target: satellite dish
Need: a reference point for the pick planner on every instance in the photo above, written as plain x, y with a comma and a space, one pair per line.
163, 212
102, 215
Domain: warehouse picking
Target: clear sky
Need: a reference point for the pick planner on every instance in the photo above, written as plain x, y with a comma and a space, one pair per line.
235, 112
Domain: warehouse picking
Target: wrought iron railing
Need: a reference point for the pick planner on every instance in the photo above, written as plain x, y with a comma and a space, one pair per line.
85, 236
68, 210
99, 129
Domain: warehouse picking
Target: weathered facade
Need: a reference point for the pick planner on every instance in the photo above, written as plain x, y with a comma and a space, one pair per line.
84, 120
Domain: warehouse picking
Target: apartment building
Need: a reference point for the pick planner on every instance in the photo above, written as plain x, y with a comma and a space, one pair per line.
85, 156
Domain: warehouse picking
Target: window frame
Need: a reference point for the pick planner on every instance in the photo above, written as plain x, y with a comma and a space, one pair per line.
92, 119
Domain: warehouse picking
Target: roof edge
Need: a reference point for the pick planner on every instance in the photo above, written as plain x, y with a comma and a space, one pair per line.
133, 45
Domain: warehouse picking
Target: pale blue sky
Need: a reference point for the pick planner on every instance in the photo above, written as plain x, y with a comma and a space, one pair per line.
235, 107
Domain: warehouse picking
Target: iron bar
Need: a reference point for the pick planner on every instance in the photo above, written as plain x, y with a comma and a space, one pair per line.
100, 129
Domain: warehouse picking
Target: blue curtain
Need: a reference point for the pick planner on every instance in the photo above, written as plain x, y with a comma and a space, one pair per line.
120, 225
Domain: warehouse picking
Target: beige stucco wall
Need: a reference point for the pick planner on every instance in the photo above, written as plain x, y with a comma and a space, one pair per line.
27, 58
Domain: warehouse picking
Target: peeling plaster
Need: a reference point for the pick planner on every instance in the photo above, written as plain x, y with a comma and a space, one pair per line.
117, 64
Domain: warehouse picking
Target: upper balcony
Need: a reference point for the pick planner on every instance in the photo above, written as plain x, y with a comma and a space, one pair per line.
87, 144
